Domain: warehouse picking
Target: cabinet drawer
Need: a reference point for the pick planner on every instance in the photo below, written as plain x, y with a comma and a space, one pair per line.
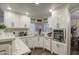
62, 50
5, 49
59, 48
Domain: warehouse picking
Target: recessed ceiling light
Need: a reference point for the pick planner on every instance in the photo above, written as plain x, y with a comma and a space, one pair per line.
50, 10
27, 13
37, 3
9, 8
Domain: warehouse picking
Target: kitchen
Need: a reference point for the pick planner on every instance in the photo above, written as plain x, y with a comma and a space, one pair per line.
27, 31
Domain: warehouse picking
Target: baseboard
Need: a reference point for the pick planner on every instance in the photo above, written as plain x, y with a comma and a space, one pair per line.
43, 49
39, 48
54, 53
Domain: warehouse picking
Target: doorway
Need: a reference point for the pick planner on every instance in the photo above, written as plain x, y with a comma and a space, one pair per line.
75, 33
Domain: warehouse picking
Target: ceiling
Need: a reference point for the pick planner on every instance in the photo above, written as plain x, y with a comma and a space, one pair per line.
75, 12
38, 11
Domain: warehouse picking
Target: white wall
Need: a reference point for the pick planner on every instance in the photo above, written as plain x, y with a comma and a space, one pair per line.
62, 16
15, 20
1, 16
75, 23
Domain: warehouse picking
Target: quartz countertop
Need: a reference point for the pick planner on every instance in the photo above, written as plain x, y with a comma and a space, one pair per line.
19, 47
6, 37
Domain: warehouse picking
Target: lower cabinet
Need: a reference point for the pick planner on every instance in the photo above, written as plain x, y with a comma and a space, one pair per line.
47, 44
41, 42
35, 41
29, 42
5, 49
38, 42
59, 48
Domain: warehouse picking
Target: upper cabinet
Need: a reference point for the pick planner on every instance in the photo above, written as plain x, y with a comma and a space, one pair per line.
8, 19
51, 22
11, 19
39, 20
25, 21
14, 20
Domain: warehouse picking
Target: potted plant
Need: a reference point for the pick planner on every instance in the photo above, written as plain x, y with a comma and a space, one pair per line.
2, 27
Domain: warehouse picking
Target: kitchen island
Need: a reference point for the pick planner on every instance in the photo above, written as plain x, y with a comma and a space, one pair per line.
11, 45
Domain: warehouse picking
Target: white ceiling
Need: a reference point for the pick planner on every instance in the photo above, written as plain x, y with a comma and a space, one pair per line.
75, 12
40, 11
75, 15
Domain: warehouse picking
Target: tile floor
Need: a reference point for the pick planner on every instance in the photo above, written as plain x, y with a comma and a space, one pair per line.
44, 52
40, 52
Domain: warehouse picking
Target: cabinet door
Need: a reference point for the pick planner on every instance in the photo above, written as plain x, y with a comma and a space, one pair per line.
35, 41
22, 21
54, 47
25, 21
25, 40
8, 19
41, 42
30, 42
11, 19
47, 43
5, 49
59, 48
38, 42
62, 50
16, 21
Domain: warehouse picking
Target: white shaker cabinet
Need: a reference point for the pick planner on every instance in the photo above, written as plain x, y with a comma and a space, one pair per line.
11, 19
15, 20
8, 19
37, 42
25, 21
5, 49
41, 41
47, 43
28, 41
59, 47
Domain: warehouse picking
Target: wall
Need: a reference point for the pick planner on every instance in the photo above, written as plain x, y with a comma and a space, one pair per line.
16, 20
1, 16
61, 15
75, 23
